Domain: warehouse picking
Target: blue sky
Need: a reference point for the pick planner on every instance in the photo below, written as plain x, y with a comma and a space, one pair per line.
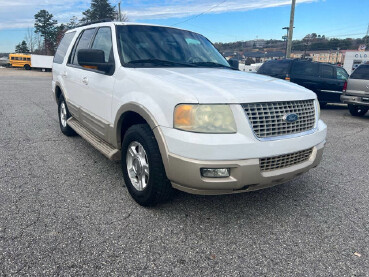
219, 20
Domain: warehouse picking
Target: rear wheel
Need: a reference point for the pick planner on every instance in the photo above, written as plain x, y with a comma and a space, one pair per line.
142, 166
27, 67
64, 115
357, 110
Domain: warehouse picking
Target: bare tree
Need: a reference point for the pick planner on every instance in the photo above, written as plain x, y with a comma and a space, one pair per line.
39, 42
30, 39
124, 17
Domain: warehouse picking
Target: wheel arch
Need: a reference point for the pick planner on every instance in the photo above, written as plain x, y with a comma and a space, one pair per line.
133, 113
58, 92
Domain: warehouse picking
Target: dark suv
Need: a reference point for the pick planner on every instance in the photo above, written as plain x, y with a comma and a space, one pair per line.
326, 80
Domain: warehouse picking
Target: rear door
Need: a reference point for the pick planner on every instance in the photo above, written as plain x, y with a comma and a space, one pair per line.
330, 87
278, 69
358, 84
306, 74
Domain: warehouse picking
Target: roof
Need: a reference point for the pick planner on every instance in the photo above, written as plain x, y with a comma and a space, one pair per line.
115, 23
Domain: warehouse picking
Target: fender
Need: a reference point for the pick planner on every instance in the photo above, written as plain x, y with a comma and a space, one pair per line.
116, 138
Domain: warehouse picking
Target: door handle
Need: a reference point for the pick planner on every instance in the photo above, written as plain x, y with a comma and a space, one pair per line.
85, 80
65, 74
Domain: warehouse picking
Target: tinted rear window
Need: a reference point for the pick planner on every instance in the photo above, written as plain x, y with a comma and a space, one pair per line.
305, 68
275, 68
362, 72
327, 71
63, 47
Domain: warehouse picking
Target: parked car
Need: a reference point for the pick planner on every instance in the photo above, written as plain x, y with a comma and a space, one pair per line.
356, 91
168, 105
326, 80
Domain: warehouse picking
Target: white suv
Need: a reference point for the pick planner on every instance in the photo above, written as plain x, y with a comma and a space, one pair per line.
166, 102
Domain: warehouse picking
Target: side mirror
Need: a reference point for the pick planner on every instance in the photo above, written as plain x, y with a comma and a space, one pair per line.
234, 64
93, 59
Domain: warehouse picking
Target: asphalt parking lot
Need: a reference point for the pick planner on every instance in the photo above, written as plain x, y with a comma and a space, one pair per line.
65, 211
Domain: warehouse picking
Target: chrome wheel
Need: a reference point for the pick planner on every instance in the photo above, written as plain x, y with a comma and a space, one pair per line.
63, 114
137, 166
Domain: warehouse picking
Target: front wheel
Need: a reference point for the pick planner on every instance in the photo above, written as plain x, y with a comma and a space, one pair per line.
27, 67
142, 166
357, 110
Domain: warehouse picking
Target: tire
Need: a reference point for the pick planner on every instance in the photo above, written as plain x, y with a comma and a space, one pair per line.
27, 67
357, 110
146, 163
63, 115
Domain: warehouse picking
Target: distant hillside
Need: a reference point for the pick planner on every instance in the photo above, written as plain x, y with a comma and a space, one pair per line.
311, 42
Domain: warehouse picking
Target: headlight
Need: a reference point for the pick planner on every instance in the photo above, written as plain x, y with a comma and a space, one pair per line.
204, 118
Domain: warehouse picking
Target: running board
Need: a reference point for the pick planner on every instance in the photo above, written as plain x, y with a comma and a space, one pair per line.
105, 148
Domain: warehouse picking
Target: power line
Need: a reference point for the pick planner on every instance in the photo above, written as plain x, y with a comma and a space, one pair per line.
196, 16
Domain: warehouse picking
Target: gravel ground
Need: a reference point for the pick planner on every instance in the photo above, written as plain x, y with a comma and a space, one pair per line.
65, 211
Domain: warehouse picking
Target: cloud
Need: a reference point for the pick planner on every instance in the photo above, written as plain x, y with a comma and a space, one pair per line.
20, 13
178, 9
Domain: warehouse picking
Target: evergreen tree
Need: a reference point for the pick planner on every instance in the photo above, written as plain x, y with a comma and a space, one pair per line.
45, 26
22, 47
100, 9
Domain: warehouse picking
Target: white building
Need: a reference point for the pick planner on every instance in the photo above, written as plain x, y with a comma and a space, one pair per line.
353, 59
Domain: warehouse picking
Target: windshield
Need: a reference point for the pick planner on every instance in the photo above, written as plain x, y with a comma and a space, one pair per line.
149, 46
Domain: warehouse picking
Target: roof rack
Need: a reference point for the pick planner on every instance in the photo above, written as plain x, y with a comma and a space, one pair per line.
94, 22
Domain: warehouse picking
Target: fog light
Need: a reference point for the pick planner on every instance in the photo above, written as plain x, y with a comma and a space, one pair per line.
215, 172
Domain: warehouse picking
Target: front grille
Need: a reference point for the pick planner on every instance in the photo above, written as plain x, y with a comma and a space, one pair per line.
267, 118
283, 161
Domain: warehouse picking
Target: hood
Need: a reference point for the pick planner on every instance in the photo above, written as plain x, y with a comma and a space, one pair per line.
214, 85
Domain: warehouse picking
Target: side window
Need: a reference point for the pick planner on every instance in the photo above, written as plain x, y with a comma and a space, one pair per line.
341, 74
103, 42
82, 43
327, 71
305, 68
275, 68
63, 47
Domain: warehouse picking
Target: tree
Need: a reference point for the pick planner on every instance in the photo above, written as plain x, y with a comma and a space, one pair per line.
30, 39
22, 47
100, 9
59, 33
73, 22
45, 26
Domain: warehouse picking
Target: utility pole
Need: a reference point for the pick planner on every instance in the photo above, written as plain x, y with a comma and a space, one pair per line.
366, 37
285, 38
290, 30
120, 14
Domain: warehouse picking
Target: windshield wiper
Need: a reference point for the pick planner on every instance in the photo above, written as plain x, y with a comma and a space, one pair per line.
160, 62
212, 64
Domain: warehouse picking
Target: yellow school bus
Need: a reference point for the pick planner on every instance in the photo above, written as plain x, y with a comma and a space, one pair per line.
20, 60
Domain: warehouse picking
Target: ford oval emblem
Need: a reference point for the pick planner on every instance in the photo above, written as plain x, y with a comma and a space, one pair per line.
291, 117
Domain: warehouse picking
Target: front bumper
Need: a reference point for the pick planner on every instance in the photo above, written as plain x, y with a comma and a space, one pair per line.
355, 99
246, 175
